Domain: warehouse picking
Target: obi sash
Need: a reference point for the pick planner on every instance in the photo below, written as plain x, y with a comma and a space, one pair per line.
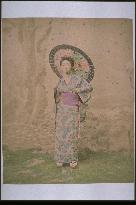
71, 99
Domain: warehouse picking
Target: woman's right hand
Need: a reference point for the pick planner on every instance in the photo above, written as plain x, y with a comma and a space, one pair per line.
58, 97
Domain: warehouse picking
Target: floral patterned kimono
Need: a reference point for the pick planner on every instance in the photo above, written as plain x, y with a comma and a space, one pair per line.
68, 117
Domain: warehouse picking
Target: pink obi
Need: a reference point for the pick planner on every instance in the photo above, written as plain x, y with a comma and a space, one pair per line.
70, 98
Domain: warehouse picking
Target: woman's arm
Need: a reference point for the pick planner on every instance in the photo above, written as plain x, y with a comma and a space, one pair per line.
83, 89
84, 86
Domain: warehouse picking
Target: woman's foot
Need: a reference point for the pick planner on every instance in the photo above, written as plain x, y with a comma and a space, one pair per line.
59, 164
73, 164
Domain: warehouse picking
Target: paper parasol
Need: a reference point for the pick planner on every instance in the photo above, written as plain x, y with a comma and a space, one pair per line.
82, 62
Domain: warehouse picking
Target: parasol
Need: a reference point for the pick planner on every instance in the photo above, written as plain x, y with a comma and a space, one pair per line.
82, 62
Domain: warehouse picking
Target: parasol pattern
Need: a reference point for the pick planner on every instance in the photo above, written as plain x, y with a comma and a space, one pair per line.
82, 62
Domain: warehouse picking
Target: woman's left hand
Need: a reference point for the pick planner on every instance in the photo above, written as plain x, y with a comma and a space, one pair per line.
76, 90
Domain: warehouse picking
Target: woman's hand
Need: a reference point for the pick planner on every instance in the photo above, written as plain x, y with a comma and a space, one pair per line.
76, 90
57, 99
57, 96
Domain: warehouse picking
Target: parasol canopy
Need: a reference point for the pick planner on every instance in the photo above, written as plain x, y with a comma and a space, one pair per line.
82, 62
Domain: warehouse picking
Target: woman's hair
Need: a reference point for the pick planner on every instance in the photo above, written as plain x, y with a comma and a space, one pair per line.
71, 60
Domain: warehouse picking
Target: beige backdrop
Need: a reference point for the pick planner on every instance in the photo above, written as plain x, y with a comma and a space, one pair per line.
28, 81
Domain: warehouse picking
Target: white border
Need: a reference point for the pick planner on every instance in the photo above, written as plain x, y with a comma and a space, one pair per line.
103, 191
106, 191
15, 9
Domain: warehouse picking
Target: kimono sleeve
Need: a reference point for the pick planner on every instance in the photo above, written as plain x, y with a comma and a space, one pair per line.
56, 93
85, 91
85, 86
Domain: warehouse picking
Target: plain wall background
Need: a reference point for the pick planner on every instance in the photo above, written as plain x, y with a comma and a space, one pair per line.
28, 81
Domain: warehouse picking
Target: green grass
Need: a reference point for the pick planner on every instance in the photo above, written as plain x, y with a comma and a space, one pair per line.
34, 167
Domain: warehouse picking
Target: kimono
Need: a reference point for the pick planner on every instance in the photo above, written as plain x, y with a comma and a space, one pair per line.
67, 119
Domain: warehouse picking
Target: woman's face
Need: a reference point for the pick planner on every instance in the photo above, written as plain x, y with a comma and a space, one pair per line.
65, 67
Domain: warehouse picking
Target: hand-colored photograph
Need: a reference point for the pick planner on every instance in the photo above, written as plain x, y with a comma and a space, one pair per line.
67, 100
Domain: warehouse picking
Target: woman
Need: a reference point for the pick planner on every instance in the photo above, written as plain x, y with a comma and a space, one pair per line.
71, 92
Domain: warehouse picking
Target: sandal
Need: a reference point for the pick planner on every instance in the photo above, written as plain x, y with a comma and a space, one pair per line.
59, 164
73, 164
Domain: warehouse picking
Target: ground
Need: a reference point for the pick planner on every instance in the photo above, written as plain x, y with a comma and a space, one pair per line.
35, 167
